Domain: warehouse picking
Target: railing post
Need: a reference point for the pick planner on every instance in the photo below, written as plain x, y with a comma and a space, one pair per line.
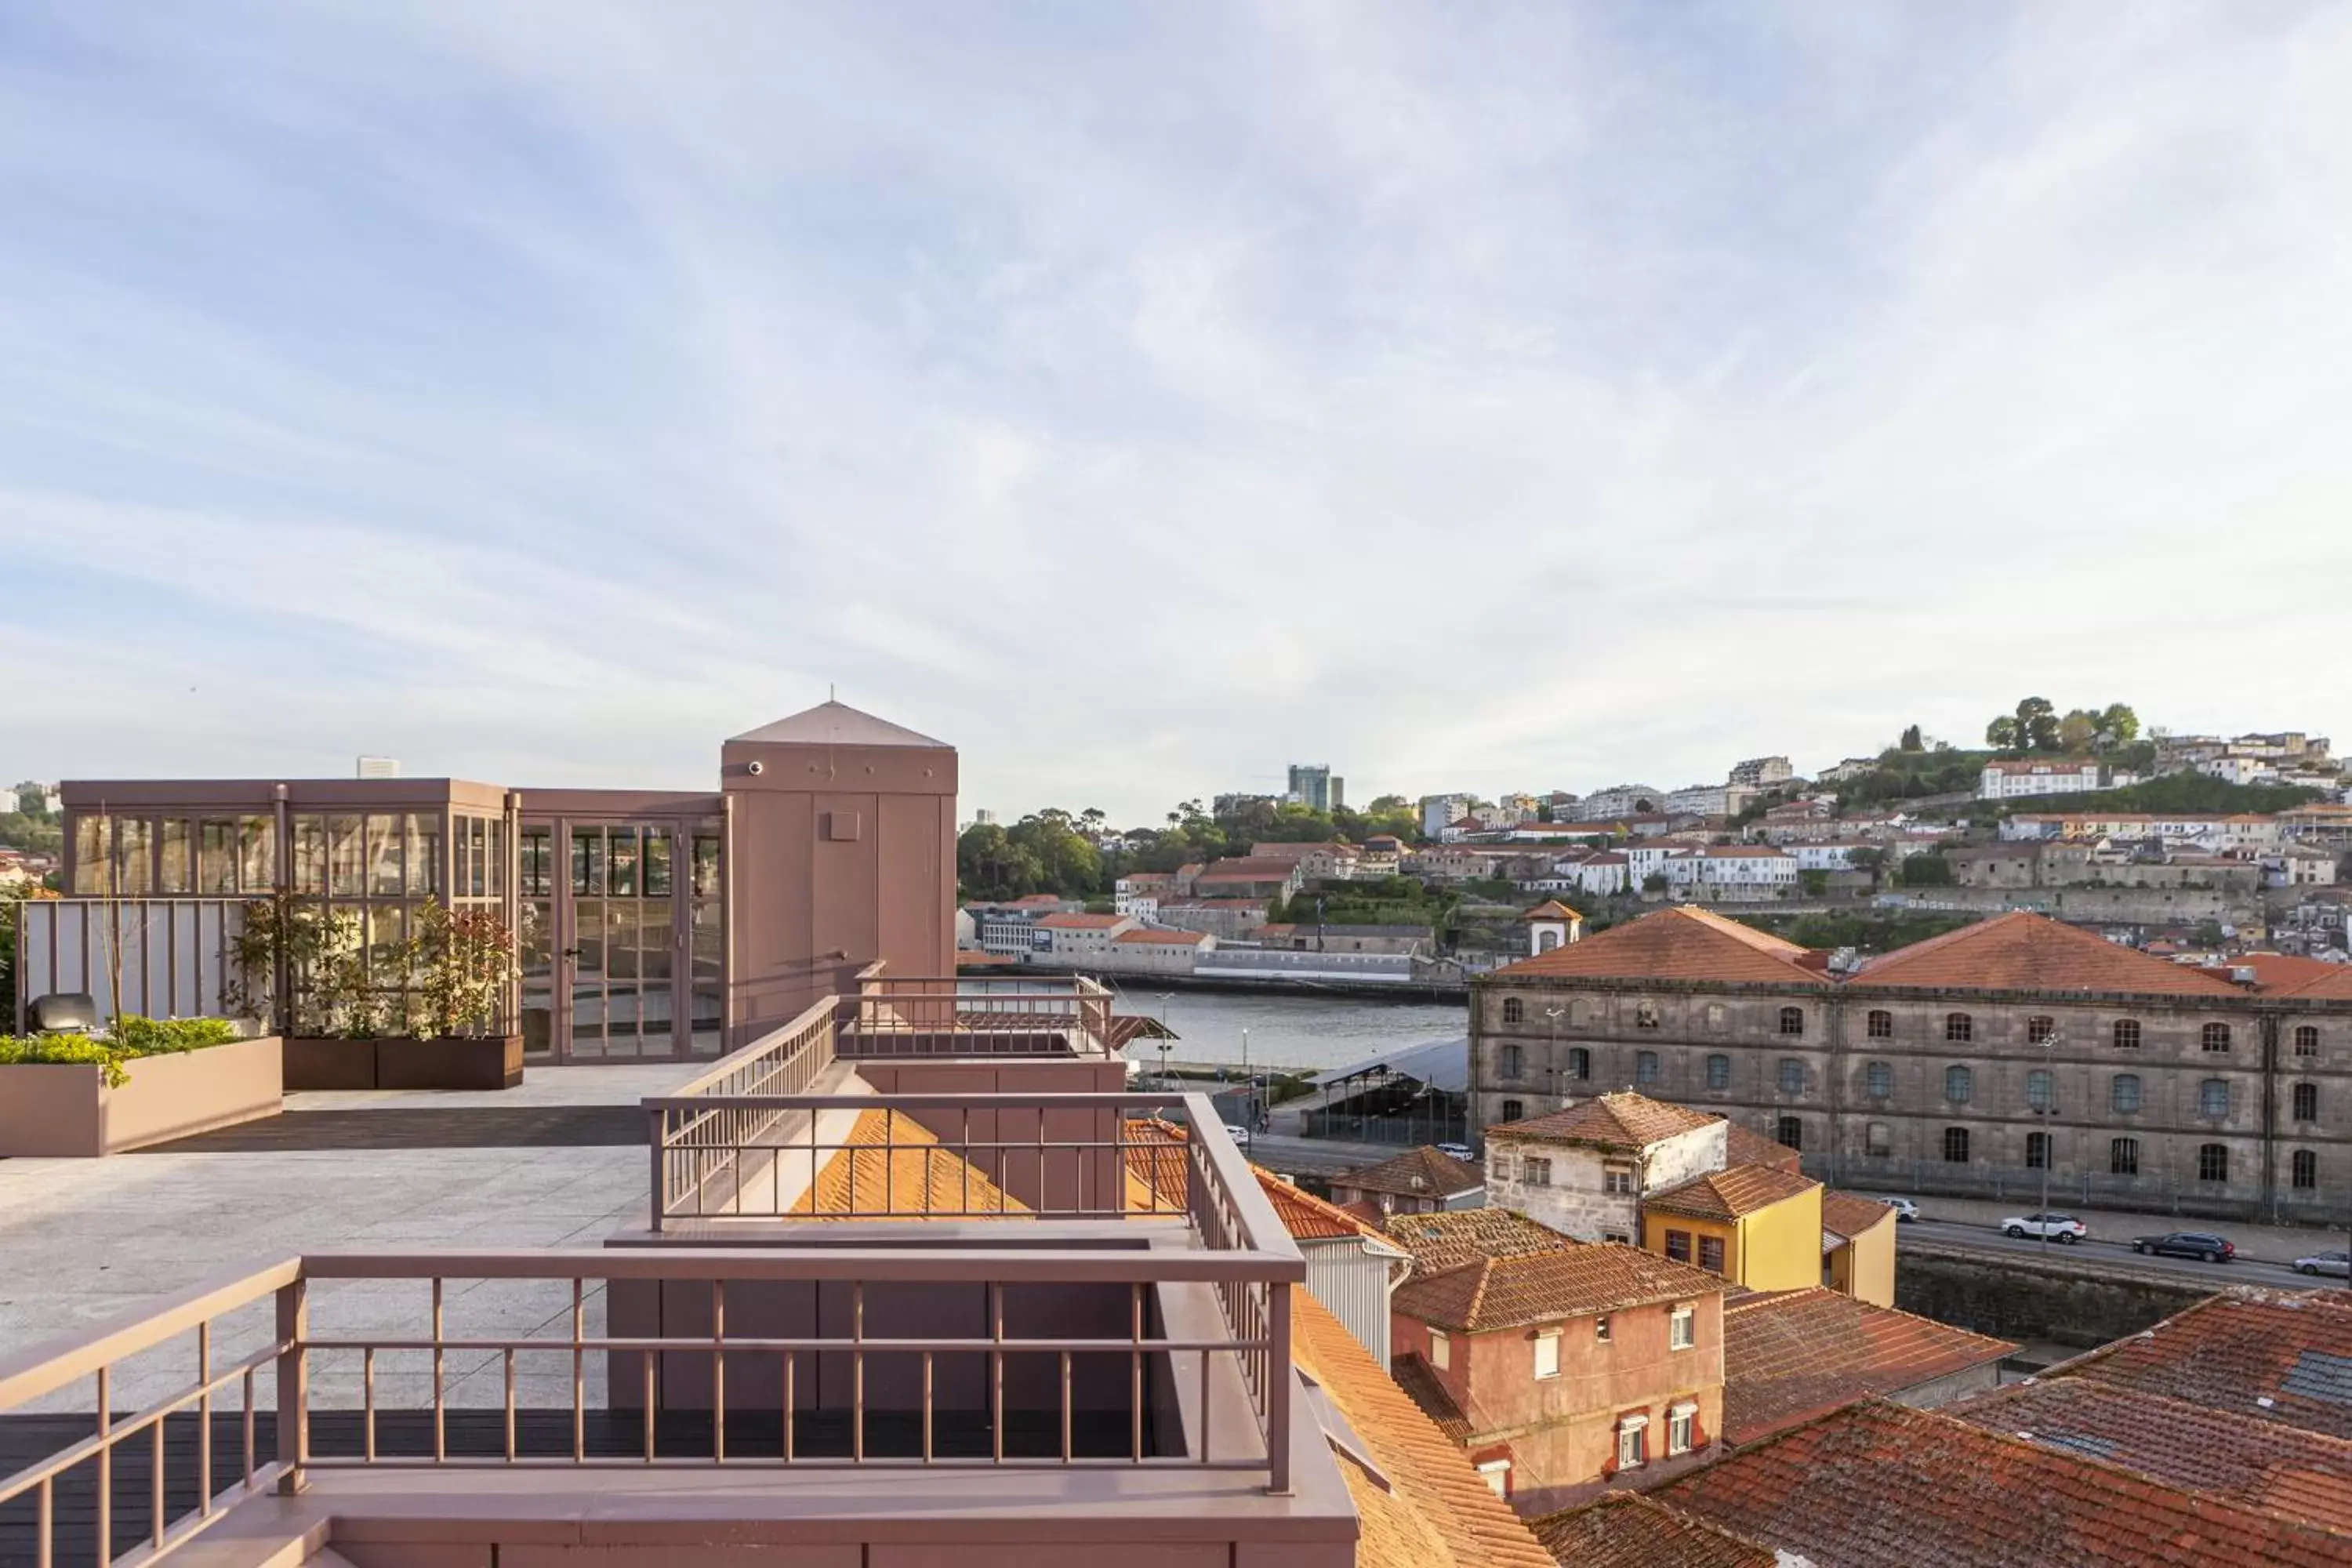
660, 1201
1278, 1379
293, 1384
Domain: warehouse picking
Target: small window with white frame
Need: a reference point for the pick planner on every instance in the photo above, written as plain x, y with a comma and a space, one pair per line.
1682, 1328
1617, 1180
1441, 1349
1633, 1442
1536, 1171
1547, 1354
1496, 1473
1682, 1428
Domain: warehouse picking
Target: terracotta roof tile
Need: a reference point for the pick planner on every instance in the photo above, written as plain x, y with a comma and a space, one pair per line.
1789, 1356
1876, 1484
1164, 938
1627, 1530
1417, 1378
1435, 1510
1542, 1287
1678, 943
1551, 909
2279, 1469
2233, 1350
1849, 1217
1157, 1175
1733, 1192
1743, 1146
1441, 1241
2334, 986
2024, 951
893, 1168
1417, 1173
1306, 1216
1082, 922
1623, 1121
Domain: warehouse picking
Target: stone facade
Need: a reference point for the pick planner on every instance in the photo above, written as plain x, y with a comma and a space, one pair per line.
1574, 1195
2227, 1105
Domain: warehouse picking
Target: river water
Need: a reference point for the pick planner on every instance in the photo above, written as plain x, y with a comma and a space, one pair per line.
1287, 1031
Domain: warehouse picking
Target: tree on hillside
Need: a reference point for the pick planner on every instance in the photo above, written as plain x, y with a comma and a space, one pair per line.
1911, 741
2032, 727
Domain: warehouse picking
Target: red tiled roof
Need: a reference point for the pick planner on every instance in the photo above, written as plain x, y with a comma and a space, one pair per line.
1579, 1279
1162, 938
1743, 1147
1427, 1508
1551, 909
1678, 943
1082, 922
2334, 986
2233, 1350
1732, 1194
1849, 1217
2279, 1469
1441, 1241
1627, 1530
1417, 1378
1422, 1173
1306, 1216
1789, 1356
1622, 1120
1877, 1484
2024, 951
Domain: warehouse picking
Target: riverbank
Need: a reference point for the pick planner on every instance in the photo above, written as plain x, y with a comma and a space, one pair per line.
1290, 1032
1415, 991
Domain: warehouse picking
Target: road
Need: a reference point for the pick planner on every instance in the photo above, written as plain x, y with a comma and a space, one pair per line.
2097, 1252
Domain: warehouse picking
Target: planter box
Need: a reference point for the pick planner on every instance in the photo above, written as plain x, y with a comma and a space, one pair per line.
315, 1061
65, 1110
454, 1061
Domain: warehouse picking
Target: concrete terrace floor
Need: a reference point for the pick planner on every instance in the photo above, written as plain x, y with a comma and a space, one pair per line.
82, 1241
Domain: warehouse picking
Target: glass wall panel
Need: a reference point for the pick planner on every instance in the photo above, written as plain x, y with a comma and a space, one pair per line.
621, 864
310, 854
656, 873
384, 850
92, 844
707, 869
587, 862
216, 857
423, 854
498, 857
257, 838
707, 968
174, 872
535, 956
346, 857
134, 857
537, 867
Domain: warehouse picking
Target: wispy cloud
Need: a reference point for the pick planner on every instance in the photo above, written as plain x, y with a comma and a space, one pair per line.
1146, 397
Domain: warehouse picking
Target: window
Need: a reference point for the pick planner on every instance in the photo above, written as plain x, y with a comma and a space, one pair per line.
1514, 1010
1959, 1084
1880, 1023
1600, 1327
1682, 1329
1579, 1062
1878, 1079
1497, 1474
2123, 1156
1678, 1246
1515, 1062
1536, 1172
1956, 1145
2123, 1093
1716, 1018
2038, 1090
1645, 1066
1793, 1076
1710, 1254
1547, 1354
2040, 1030
1441, 1349
1960, 1027
1788, 1131
2216, 1037
1632, 1437
1646, 1015
2305, 1168
2126, 1034
2306, 1040
2213, 1098
2212, 1161
1617, 1180
1879, 1138
1718, 1072
2037, 1151
1793, 1020
2306, 1102
1681, 1429
1498, 1166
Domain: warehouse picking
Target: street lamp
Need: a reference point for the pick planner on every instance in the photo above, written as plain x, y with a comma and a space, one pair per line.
1167, 1003
1551, 1061
2044, 1112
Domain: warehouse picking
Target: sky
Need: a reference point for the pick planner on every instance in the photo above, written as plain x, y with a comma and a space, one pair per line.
1144, 397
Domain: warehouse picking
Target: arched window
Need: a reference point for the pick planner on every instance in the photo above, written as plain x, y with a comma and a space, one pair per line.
2216, 1037
2123, 1156
1514, 1061
1546, 940
2037, 1151
1790, 1132
2307, 1039
2306, 1102
1579, 1062
1878, 1079
1718, 1072
1646, 1015
1960, 1027
1793, 1076
1956, 1145
2038, 1090
1959, 1085
1514, 1111
2126, 1034
1879, 1138
1645, 1068
1514, 1010
2040, 1030
2212, 1161
1793, 1020
2123, 1093
1880, 1023
2305, 1169
2213, 1098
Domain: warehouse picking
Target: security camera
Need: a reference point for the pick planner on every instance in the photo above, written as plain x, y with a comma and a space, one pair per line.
758, 767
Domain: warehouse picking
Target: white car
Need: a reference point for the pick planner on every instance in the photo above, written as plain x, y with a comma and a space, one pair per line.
1905, 1209
2057, 1226
1237, 1133
2336, 1262
1459, 1151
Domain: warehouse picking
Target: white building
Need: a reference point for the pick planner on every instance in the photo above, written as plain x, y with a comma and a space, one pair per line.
1761, 773
1440, 812
1700, 800
2238, 769
1731, 870
1584, 1171
1076, 939
2004, 779
1620, 800
1140, 893
1836, 855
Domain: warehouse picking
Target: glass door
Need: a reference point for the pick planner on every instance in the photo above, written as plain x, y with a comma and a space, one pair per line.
623, 945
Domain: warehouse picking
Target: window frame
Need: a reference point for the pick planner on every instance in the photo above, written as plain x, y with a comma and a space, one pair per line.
1441, 1349
2307, 1039
1681, 1429
2125, 1033
1547, 1338
1682, 1326
2213, 1163
2122, 1152
1718, 1079
2303, 1168
1959, 1028
2216, 1039
2304, 1102
1515, 1011
1957, 1137
1961, 1077
2115, 1094
1792, 1023
1878, 1024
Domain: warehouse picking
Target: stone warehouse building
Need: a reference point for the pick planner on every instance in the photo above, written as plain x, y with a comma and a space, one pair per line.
1967, 1063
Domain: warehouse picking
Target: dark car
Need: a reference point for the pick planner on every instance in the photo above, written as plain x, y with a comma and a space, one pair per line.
2201, 1243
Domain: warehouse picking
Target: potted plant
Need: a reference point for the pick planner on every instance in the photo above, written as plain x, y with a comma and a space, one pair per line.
300, 964
455, 1031
143, 1082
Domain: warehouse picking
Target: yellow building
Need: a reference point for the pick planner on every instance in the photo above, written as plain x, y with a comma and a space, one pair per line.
1757, 1226
1858, 1247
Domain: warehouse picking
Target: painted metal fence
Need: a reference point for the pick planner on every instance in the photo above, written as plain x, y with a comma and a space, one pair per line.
159, 958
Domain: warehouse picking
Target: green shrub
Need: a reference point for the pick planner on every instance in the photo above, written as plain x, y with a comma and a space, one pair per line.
133, 1037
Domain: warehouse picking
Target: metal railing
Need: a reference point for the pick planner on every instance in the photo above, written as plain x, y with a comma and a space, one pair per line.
700, 1129
174, 958
946, 1015
765, 1402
